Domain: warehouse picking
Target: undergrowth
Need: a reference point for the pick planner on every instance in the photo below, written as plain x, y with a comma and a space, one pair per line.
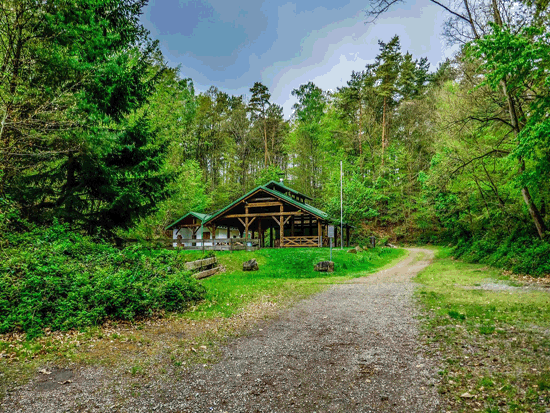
522, 255
58, 279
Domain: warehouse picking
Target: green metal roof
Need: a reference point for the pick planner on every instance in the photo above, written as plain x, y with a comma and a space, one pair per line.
205, 218
315, 211
286, 188
302, 205
197, 215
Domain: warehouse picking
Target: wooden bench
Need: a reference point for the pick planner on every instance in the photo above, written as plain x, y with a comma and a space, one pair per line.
206, 267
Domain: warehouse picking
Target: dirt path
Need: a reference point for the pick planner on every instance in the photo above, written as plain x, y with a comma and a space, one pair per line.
352, 348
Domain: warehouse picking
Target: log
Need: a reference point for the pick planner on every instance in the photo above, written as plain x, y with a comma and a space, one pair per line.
206, 273
193, 265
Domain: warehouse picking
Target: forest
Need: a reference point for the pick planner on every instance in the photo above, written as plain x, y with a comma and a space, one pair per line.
98, 134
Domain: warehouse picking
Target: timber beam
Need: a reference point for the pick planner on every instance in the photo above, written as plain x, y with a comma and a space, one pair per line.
262, 199
264, 204
263, 214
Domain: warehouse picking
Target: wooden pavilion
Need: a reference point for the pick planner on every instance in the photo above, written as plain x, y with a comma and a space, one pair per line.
278, 216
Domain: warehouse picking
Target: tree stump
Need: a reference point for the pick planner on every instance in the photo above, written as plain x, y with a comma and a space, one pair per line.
324, 266
251, 265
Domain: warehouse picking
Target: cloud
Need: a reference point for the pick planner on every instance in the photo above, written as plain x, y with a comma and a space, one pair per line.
232, 44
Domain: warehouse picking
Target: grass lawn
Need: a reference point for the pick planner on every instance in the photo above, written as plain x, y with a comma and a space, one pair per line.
492, 334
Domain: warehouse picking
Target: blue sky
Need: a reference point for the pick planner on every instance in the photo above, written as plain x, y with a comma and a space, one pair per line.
283, 44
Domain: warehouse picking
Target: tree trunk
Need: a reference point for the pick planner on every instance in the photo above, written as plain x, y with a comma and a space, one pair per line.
265, 140
360, 137
512, 110
384, 129
533, 210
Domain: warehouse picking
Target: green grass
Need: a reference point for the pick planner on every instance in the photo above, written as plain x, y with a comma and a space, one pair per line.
283, 273
495, 344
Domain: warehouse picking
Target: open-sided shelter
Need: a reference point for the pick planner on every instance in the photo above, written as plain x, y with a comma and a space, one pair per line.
275, 214
190, 226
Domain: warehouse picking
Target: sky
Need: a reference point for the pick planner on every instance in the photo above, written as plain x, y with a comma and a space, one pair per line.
231, 44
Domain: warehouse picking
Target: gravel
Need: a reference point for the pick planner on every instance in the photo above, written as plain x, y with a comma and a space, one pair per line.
503, 286
352, 348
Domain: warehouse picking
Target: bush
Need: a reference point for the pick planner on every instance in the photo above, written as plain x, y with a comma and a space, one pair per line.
520, 254
59, 279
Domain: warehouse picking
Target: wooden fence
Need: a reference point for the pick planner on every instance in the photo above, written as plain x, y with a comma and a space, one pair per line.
302, 241
216, 244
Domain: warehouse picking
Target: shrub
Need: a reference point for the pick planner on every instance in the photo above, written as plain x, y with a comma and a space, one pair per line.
520, 254
60, 279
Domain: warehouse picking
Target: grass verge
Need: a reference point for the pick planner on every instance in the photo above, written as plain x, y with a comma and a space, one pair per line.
492, 336
169, 343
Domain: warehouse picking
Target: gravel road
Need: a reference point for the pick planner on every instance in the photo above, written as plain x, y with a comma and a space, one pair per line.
352, 348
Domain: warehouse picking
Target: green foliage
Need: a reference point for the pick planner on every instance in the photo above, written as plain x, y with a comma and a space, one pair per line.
271, 173
361, 200
58, 279
519, 253
75, 148
522, 61
187, 193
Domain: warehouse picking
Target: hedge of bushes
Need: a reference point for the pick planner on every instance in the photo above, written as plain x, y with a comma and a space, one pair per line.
520, 254
60, 279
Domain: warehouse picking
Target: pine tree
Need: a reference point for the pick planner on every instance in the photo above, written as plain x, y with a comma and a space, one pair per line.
386, 69
259, 105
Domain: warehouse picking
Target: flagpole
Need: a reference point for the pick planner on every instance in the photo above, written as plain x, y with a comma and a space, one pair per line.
341, 210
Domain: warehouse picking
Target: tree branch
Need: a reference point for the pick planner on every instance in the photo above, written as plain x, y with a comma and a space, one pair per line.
465, 164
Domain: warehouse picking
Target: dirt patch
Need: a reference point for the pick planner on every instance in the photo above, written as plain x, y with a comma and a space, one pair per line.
501, 286
53, 379
352, 348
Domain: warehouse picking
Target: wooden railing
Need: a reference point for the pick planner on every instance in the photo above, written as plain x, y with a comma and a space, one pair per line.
301, 241
216, 244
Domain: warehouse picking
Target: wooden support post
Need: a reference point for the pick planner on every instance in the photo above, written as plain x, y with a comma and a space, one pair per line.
281, 226
228, 232
246, 223
319, 233
292, 226
260, 234
213, 236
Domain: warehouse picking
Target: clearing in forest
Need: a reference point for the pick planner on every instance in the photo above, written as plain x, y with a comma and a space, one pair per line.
353, 347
